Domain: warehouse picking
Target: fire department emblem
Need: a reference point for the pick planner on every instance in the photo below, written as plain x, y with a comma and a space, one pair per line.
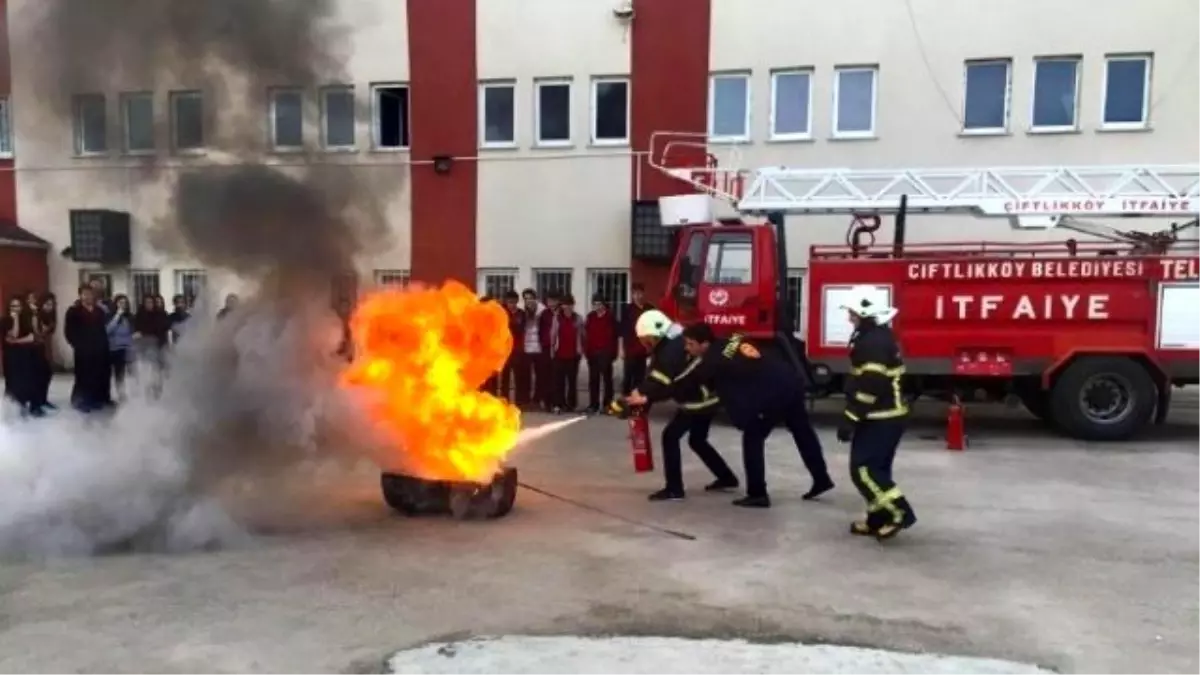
749, 351
718, 297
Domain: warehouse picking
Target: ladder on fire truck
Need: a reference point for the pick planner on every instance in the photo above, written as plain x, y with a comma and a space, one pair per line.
1030, 197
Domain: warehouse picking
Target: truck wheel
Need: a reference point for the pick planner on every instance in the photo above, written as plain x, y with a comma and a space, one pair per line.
1103, 398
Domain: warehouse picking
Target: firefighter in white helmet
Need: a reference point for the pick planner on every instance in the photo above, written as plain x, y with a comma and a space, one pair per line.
694, 415
873, 421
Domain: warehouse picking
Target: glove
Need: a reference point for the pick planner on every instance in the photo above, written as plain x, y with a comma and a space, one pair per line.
618, 408
845, 430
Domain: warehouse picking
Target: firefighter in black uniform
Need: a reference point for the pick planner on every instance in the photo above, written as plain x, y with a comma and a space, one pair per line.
873, 421
694, 416
758, 391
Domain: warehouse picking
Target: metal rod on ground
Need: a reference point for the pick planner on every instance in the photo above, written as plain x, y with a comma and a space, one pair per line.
595, 509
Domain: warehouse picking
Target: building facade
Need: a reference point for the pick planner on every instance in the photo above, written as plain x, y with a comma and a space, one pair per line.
511, 137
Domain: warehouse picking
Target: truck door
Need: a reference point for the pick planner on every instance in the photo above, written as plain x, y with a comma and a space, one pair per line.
686, 278
728, 295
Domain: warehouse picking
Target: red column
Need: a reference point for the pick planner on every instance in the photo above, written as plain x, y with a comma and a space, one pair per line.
8, 183
669, 46
443, 82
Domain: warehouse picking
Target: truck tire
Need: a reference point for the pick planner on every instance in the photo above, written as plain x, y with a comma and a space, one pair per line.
1103, 398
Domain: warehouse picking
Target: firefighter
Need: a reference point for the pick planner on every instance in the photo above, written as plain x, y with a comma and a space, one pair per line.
873, 421
697, 406
758, 391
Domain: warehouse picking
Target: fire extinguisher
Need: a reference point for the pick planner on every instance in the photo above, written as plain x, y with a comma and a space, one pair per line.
639, 441
956, 432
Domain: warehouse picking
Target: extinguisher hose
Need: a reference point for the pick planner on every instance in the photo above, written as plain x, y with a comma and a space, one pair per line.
615, 516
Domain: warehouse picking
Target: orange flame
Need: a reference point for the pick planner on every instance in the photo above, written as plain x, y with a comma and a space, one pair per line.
421, 354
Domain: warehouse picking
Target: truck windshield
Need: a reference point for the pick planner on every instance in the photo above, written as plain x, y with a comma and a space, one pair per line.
729, 259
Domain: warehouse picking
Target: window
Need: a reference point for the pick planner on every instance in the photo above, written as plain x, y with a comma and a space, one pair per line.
612, 285
547, 281
399, 278
610, 111
137, 122
729, 259
141, 284
338, 123
187, 121
986, 96
495, 282
729, 107
552, 116
795, 297
498, 115
391, 116
1126, 92
1055, 92
690, 272
105, 279
6, 148
91, 124
287, 119
791, 104
192, 285
854, 102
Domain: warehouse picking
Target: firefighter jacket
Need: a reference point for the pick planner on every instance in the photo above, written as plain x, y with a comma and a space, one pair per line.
750, 384
669, 360
873, 389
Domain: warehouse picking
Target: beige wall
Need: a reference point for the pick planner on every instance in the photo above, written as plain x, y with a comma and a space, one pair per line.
918, 127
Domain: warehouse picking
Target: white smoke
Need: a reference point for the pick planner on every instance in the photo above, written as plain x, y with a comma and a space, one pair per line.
247, 397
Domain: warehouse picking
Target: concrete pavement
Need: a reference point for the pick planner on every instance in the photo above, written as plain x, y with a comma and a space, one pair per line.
1030, 548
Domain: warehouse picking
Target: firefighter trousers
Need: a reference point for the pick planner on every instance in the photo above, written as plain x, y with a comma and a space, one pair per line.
872, 452
754, 439
695, 426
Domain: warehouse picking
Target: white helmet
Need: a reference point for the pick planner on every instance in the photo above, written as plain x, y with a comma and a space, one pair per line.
870, 302
652, 323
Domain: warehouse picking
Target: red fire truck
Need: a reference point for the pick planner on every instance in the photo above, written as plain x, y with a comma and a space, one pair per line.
1091, 336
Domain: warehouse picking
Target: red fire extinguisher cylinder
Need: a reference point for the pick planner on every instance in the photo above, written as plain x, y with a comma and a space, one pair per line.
639, 440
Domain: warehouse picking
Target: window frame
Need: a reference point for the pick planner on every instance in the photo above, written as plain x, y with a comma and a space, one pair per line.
273, 118
6, 134
625, 291
744, 136
1148, 59
194, 272
871, 133
716, 244
536, 272
538, 141
392, 277
376, 132
1008, 98
123, 102
772, 133
78, 131
484, 86
593, 111
132, 286
173, 99
324, 131
1034, 127
483, 274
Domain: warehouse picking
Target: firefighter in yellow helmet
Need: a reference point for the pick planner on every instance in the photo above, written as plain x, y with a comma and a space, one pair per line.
696, 406
874, 419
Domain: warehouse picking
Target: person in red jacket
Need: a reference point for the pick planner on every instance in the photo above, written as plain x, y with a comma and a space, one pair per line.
566, 346
600, 349
545, 361
633, 370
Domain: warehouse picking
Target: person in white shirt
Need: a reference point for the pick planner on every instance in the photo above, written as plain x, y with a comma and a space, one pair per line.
530, 366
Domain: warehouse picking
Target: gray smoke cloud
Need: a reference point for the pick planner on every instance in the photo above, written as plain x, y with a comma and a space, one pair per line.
246, 399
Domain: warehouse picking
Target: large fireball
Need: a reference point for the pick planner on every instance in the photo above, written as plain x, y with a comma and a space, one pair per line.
421, 355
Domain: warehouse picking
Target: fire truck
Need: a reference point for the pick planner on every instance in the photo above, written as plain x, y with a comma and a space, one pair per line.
1091, 336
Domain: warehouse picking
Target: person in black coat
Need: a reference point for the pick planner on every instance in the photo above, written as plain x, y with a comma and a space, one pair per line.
84, 326
19, 340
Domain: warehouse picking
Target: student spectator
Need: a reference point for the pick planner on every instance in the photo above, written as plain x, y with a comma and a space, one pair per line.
120, 332
19, 343
530, 375
151, 330
178, 318
566, 346
635, 354
47, 327
85, 327
545, 326
100, 290
231, 304
600, 348
509, 380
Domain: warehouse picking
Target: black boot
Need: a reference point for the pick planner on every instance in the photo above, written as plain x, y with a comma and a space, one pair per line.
721, 485
819, 488
667, 495
759, 502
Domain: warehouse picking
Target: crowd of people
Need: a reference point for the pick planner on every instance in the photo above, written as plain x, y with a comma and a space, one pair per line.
107, 336
552, 340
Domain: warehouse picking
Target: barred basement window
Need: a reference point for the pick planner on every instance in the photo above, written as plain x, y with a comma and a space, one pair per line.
399, 278
192, 285
495, 282
612, 285
141, 284
795, 296
547, 281
105, 279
